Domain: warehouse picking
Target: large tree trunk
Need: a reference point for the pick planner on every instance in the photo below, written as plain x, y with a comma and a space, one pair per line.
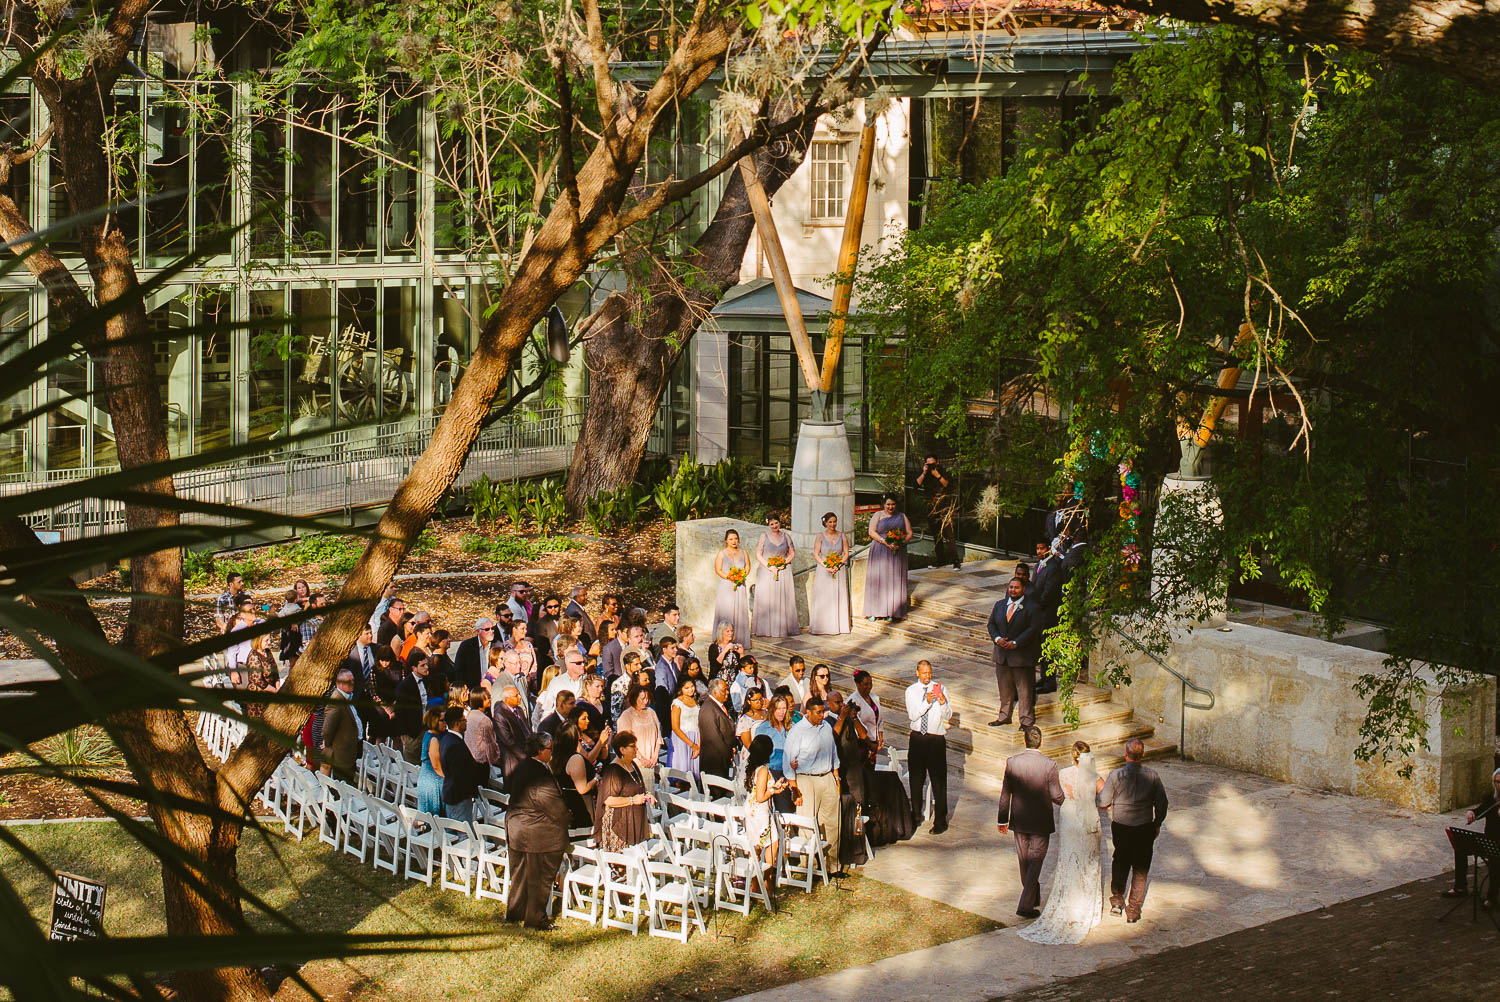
635, 338
1457, 37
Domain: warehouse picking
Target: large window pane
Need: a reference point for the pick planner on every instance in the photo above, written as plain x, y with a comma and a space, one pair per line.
746, 433
453, 342
167, 141
781, 400
359, 189
312, 176
215, 427
404, 143
357, 376
268, 153
268, 370
311, 358
67, 380
212, 172
451, 176
174, 366
14, 334
398, 366
15, 133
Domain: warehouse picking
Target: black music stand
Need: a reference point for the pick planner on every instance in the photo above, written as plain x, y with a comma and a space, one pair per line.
1482, 849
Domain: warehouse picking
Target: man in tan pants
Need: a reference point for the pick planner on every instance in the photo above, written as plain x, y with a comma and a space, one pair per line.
811, 764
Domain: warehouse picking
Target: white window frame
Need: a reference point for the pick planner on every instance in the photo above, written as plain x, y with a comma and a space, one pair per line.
829, 173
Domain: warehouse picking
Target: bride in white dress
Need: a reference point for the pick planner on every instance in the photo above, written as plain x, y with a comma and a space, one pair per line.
1076, 903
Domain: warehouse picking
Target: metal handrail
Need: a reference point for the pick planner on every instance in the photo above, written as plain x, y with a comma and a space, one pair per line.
1184, 702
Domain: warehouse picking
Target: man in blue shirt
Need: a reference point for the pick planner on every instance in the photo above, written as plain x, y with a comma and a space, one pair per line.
811, 762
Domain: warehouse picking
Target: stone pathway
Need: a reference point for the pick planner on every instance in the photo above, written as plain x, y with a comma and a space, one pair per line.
1237, 852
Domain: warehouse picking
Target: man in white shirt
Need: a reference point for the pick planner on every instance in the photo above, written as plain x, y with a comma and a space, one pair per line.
572, 681
796, 679
810, 761
927, 755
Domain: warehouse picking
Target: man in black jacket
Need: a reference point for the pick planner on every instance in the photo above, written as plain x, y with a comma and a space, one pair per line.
1015, 628
411, 702
1488, 811
536, 828
512, 729
460, 771
716, 727
471, 657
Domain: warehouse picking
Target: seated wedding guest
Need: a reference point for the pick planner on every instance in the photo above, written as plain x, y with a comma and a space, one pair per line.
536, 829
479, 734
460, 772
747, 678
553, 722
575, 773
512, 729
622, 798
1487, 811
639, 718
343, 731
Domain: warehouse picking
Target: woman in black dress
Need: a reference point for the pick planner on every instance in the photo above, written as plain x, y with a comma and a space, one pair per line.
854, 769
622, 799
575, 774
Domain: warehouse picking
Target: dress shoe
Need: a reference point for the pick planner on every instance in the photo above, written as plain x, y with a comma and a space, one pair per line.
839, 875
1029, 912
938, 827
1000, 723
1454, 892
1132, 918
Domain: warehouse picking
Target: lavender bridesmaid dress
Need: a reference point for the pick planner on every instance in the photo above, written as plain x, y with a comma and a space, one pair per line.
731, 604
885, 574
775, 599
828, 608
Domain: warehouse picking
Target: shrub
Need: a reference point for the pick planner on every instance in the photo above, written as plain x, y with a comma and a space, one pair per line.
484, 500
197, 569
85, 749
668, 540
504, 549
546, 504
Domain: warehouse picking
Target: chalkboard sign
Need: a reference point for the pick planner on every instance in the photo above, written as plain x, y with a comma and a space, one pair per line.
77, 909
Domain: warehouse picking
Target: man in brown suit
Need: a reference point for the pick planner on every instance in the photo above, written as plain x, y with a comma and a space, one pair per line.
536, 826
1030, 789
341, 727
1015, 627
716, 730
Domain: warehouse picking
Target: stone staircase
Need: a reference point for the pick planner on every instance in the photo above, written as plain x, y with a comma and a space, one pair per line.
946, 628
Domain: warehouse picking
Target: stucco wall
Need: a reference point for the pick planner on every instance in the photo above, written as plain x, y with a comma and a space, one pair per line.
1286, 708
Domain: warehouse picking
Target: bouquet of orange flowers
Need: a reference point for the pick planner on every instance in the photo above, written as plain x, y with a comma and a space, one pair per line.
737, 575
895, 538
776, 564
833, 561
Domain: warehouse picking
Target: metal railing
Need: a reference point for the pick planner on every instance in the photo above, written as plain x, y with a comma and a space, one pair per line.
1186, 683
345, 470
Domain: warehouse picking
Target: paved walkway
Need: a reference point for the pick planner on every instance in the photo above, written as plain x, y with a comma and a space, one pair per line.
1237, 852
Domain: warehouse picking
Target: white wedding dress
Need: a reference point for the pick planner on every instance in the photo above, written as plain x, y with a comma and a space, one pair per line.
1076, 903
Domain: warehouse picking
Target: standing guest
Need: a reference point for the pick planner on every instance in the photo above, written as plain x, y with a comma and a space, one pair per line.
885, 569
776, 725
640, 718
796, 679
227, 604
553, 722
746, 679
460, 771
519, 656
828, 606
578, 598
724, 656
411, 699
685, 736
388, 678
575, 773
609, 611
1016, 631
820, 682
565, 638
694, 671
853, 747
1137, 805
381, 608
810, 762
430, 778
716, 727
746, 725
308, 627
941, 510
764, 787
635, 640
420, 639
536, 829
542, 628
479, 732
732, 599
867, 705
1487, 810
343, 731
608, 640
775, 596
520, 601
239, 654
928, 710
512, 729
261, 674
1027, 794
623, 800
570, 681
685, 638
361, 661
497, 676
390, 627
442, 662
666, 668
631, 674
671, 622
472, 655
593, 699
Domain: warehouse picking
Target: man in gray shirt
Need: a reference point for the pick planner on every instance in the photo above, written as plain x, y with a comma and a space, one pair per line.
1137, 805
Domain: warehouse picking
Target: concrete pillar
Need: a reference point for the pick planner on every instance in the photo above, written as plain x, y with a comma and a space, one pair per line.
1187, 508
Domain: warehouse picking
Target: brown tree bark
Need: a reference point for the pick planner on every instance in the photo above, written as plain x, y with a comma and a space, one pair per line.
1457, 37
637, 337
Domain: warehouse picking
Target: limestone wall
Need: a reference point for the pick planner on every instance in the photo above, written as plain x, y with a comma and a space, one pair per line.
1286, 708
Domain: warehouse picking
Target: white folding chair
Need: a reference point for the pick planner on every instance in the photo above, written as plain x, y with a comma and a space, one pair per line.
360, 819
679, 781
391, 773
583, 887
390, 832
331, 807
624, 890
304, 801
672, 899
737, 862
804, 855
369, 768
459, 855
410, 774
421, 832
718, 789
493, 878
492, 804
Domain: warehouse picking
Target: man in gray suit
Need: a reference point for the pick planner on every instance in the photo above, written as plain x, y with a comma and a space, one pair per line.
1030, 789
1137, 805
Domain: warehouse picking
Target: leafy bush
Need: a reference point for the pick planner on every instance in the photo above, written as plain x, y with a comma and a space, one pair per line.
598, 512
206, 571
668, 540
426, 542
86, 749
484, 500
505, 549
546, 504
681, 495
630, 504
197, 569
776, 486
648, 582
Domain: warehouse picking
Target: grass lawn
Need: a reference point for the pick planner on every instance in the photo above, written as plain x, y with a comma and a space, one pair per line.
321, 890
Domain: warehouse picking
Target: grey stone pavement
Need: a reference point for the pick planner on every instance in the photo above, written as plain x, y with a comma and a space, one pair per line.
1237, 851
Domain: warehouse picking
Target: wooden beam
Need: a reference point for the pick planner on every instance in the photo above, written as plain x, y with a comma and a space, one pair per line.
765, 225
854, 224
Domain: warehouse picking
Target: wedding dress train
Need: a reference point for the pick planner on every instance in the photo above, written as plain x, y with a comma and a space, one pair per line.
1076, 903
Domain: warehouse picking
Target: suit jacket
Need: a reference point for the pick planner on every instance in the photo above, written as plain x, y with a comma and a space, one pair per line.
537, 817
512, 729
1046, 587
609, 659
1024, 627
716, 733
1030, 789
1491, 821
409, 708
585, 621
469, 660
341, 735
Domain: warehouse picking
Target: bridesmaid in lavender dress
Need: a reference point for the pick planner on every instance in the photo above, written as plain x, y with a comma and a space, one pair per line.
828, 609
731, 601
775, 600
885, 571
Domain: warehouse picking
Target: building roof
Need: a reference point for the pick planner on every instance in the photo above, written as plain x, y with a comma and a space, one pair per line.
757, 299
1013, 14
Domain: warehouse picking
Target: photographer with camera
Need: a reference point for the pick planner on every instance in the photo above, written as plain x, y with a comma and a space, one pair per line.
942, 511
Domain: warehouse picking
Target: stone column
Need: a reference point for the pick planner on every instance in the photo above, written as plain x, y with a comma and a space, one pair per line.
1201, 509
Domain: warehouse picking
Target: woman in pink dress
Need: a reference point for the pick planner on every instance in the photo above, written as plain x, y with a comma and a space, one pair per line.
828, 607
